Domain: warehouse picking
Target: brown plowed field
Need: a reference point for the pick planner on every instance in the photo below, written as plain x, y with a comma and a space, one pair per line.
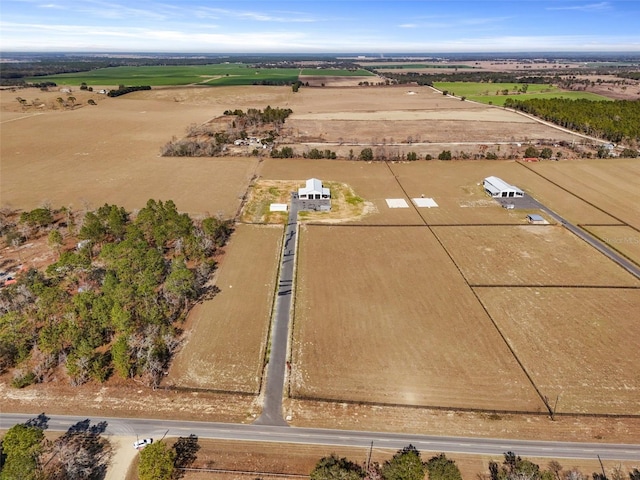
624, 239
577, 344
109, 153
612, 186
529, 255
225, 346
382, 315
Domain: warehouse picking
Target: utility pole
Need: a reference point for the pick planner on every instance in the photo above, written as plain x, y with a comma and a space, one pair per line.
369, 457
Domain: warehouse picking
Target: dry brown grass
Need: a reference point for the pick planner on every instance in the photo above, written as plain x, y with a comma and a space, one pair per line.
227, 337
579, 345
529, 255
380, 325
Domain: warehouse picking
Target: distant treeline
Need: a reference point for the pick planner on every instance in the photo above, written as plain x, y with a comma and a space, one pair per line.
614, 121
122, 90
488, 77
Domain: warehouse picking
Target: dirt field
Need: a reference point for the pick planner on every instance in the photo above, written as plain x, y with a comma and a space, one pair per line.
227, 336
558, 332
612, 185
109, 153
405, 114
372, 326
625, 240
529, 255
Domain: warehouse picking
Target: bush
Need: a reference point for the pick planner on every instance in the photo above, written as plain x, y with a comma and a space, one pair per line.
366, 154
23, 380
445, 155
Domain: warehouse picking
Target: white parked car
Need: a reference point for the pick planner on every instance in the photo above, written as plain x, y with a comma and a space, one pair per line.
140, 444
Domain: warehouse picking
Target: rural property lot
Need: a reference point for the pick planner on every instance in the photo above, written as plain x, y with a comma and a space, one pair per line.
373, 182
394, 322
611, 185
529, 255
226, 346
578, 344
110, 153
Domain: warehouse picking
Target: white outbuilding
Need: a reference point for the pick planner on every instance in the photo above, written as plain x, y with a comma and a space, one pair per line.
498, 188
314, 190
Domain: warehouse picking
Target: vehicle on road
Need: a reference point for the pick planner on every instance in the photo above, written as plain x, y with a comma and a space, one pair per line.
140, 444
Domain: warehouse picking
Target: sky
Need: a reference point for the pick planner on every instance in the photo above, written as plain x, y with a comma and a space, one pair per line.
319, 26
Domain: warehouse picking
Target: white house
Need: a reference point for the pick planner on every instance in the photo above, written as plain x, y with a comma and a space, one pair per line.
498, 188
314, 190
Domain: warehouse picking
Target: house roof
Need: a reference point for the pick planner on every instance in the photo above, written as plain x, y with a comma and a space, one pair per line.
535, 217
314, 185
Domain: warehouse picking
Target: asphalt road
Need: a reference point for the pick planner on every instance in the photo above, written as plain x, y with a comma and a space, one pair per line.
274, 386
144, 428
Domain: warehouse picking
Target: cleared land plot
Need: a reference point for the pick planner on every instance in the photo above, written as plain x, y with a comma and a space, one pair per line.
580, 345
400, 327
110, 153
226, 341
383, 115
373, 182
625, 240
611, 184
529, 255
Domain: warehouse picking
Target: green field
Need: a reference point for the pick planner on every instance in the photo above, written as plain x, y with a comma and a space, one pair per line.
416, 66
488, 92
226, 74
335, 72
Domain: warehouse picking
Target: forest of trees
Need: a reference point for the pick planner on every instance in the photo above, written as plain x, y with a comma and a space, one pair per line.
407, 464
617, 121
80, 453
112, 305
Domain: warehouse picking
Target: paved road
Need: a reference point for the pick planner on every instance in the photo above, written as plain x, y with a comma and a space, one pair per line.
274, 384
315, 436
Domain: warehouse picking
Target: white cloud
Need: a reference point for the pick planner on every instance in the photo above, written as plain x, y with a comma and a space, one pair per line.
589, 7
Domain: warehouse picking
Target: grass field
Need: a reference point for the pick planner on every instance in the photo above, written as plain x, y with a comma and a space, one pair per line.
488, 92
336, 72
624, 239
529, 255
372, 325
231, 74
225, 74
576, 343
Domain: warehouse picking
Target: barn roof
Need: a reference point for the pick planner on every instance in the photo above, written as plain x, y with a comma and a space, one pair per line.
495, 185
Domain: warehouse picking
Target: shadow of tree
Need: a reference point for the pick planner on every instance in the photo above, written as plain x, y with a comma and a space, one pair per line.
186, 453
41, 422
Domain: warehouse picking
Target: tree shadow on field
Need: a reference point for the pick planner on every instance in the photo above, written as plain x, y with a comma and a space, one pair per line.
186, 449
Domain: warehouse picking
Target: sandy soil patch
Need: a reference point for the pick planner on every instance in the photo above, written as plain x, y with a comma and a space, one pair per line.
488, 115
331, 81
123, 456
529, 255
579, 345
227, 336
371, 325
